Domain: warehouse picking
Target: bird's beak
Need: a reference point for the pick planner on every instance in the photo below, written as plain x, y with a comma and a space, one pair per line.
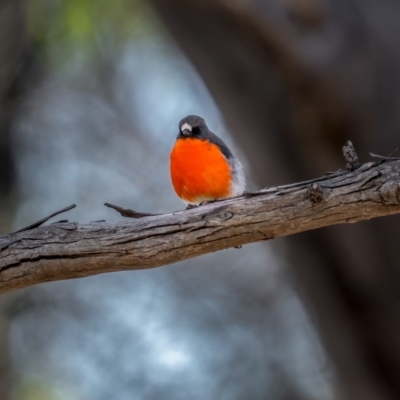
186, 132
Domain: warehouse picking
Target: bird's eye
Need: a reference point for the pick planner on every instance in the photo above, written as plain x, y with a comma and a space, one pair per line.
195, 130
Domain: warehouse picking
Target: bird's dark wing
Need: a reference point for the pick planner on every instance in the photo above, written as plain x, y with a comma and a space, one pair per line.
213, 138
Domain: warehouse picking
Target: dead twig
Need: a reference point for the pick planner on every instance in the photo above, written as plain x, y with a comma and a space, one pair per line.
128, 213
43, 220
351, 157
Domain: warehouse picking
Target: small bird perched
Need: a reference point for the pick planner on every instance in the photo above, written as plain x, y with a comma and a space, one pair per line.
202, 167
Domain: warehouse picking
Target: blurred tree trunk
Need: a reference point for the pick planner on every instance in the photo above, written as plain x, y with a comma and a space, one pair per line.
17, 70
295, 79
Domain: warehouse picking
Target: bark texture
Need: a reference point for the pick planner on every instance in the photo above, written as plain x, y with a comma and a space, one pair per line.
70, 250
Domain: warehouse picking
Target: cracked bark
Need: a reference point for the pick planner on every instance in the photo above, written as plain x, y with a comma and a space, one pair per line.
71, 250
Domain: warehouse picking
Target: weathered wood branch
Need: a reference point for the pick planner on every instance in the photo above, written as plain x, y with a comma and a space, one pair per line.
71, 250
43, 220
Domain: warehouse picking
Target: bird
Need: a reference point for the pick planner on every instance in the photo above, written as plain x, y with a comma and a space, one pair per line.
202, 167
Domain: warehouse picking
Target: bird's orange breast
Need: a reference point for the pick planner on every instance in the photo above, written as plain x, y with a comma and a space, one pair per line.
199, 171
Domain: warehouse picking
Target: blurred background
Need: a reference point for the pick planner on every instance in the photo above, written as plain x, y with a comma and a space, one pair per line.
91, 92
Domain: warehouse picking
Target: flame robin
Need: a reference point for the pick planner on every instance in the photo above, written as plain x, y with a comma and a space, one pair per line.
202, 167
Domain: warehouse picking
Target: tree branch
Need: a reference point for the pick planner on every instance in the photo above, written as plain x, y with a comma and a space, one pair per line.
128, 213
71, 250
43, 220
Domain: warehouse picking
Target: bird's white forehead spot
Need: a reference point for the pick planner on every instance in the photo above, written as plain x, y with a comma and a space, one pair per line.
186, 126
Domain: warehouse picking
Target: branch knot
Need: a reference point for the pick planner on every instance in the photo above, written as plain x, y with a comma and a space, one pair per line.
351, 157
315, 193
389, 193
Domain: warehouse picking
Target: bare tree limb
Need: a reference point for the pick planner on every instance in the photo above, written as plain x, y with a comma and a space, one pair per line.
43, 220
350, 156
71, 250
128, 213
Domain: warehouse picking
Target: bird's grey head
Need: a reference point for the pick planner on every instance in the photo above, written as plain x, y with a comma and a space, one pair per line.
192, 125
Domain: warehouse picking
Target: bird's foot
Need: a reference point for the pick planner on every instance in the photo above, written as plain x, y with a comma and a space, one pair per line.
204, 203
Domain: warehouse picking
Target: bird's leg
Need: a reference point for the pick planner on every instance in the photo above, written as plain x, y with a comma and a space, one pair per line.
203, 203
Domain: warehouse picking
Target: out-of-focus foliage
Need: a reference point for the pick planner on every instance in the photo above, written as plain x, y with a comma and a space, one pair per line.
66, 30
35, 390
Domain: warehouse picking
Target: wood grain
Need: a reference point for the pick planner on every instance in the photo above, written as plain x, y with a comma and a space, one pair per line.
72, 250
